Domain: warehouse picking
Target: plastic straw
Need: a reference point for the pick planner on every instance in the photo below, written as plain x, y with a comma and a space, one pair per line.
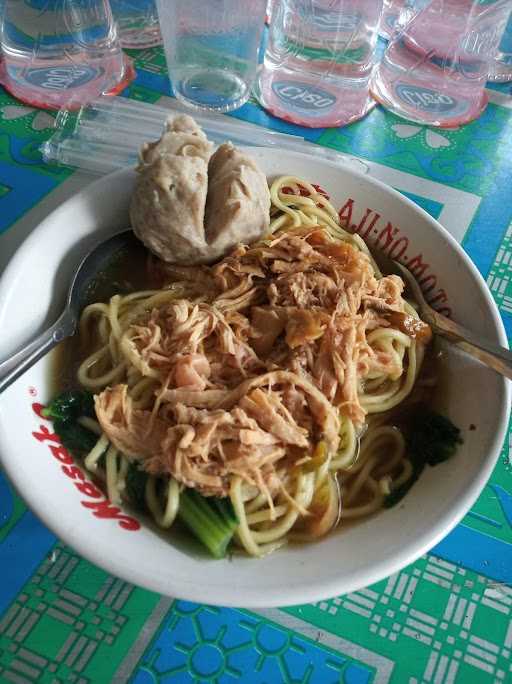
107, 134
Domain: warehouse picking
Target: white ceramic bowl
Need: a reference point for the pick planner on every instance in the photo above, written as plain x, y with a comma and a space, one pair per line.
31, 293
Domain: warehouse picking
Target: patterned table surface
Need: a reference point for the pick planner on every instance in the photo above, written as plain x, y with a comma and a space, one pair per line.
446, 618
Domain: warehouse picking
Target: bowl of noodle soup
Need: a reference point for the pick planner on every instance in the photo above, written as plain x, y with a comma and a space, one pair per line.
298, 561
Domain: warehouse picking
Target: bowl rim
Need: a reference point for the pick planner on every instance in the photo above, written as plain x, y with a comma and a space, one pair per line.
298, 593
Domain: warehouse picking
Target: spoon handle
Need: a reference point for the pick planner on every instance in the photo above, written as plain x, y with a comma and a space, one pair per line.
16, 365
492, 355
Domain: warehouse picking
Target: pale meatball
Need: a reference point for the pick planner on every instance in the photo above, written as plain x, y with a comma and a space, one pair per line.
182, 137
167, 207
190, 208
238, 200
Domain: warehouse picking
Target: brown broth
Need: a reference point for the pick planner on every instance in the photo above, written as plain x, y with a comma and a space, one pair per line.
128, 271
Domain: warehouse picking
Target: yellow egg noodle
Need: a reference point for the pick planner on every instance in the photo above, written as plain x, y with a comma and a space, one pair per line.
352, 483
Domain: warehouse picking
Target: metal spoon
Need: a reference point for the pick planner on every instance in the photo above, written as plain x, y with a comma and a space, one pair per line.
489, 353
13, 367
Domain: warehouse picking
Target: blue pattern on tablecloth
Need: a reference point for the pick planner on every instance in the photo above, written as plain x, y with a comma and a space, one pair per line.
204, 644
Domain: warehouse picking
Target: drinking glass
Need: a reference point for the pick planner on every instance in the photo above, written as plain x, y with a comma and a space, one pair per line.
389, 17
212, 49
318, 61
437, 62
60, 52
501, 68
137, 23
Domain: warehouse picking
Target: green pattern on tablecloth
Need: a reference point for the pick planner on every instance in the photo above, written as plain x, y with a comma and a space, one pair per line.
75, 622
499, 279
72, 620
445, 622
466, 158
22, 130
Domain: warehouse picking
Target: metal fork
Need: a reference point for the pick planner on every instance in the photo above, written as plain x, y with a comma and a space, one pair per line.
489, 353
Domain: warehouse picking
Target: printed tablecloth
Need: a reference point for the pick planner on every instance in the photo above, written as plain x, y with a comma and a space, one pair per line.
446, 618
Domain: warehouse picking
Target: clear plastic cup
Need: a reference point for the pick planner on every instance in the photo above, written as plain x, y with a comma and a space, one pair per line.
390, 13
212, 49
501, 68
58, 54
318, 61
436, 65
137, 23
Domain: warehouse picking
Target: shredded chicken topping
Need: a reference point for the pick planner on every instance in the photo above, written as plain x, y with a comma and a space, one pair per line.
255, 371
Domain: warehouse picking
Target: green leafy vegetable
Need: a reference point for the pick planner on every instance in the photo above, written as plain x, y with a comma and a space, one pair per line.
74, 436
431, 439
65, 410
136, 486
70, 406
212, 521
